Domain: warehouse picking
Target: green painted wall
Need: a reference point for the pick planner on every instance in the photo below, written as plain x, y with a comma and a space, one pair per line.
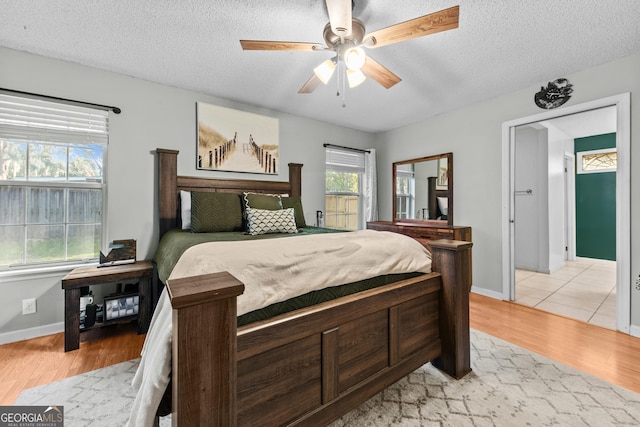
596, 205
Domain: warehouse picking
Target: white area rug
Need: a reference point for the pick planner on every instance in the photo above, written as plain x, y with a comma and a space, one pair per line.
509, 386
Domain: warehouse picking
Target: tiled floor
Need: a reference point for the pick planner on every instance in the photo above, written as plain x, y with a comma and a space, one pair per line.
584, 289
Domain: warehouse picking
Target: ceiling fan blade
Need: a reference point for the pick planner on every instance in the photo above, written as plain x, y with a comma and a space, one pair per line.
340, 16
446, 19
379, 73
274, 45
311, 84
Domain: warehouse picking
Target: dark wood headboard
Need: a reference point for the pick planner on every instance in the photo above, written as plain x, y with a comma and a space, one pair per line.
170, 184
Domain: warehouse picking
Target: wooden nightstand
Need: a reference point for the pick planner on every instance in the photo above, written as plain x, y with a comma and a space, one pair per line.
93, 275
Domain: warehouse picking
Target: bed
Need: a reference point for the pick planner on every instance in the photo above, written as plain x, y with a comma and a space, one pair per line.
310, 365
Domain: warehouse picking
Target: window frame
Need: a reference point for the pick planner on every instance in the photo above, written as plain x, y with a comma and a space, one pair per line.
345, 161
410, 196
69, 138
580, 162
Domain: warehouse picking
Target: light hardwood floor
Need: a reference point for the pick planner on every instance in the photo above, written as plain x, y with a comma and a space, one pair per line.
604, 353
38, 361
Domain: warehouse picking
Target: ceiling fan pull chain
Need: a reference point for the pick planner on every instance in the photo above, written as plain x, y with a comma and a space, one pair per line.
338, 78
341, 80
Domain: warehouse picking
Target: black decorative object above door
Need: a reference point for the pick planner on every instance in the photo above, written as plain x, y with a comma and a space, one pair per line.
554, 95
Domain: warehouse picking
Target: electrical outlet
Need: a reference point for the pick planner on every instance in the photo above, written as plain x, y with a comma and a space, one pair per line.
29, 306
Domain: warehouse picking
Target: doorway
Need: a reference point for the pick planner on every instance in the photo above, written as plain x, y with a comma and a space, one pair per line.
548, 275
547, 260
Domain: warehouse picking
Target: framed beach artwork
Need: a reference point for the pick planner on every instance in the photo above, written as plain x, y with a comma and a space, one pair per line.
236, 141
442, 182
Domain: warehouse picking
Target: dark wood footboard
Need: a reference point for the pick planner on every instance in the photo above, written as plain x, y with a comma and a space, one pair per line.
311, 366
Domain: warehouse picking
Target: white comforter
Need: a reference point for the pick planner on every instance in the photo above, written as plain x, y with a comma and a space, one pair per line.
272, 270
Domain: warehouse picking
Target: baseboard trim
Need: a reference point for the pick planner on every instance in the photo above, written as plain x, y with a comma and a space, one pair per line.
35, 332
487, 293
634, 331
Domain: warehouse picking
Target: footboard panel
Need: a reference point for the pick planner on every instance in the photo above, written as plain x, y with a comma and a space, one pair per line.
313, 365
346, 351
287, 378
363, 349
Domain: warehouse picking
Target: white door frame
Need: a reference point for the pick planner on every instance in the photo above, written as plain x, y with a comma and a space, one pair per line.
570, 206
622, 102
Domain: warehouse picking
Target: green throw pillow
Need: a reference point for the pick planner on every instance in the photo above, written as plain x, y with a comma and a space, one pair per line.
295, 202
214, 212
269, 202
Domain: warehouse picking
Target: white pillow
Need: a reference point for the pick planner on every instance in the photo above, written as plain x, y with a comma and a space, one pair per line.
443, 204
263, 221
185, 209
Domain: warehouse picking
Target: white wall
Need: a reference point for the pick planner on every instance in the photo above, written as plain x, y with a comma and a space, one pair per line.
152, 116
557, 146
539, 227
473, 134
540, 216
159, 116
528, 170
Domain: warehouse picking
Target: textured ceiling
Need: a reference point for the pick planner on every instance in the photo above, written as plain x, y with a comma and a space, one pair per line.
500, 46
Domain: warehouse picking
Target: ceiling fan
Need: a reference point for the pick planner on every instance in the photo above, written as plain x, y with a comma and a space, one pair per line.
346, 36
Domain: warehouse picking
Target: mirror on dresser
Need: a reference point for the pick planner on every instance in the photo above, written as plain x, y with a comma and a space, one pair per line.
423, 190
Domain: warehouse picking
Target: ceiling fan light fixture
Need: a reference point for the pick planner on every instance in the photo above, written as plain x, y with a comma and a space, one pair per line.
346, 35
325, 70
354, 58
355, 77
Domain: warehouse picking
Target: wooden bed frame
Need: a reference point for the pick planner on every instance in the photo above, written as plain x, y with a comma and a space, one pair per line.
313, 365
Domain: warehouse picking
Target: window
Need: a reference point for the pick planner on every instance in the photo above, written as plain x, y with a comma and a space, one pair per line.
52, 182
594, 161
405, 191
343, 190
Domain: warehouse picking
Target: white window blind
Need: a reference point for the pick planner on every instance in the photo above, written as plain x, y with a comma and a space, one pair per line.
405, 170
344, 160
28, 119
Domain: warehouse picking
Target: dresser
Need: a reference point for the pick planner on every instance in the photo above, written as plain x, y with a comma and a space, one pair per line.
426, 232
